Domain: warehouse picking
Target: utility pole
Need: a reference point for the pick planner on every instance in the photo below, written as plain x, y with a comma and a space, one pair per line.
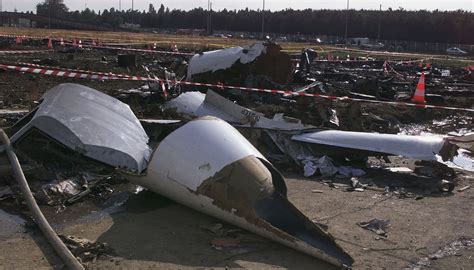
208, 25
1, 5
347, 22
132, 11
210, 18
49, 9
380, 22
120, 5
263, 20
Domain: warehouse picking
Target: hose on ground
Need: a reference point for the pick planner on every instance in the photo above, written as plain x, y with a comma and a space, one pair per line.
61, 249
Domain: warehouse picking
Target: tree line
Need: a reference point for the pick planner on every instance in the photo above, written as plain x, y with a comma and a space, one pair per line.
424, 26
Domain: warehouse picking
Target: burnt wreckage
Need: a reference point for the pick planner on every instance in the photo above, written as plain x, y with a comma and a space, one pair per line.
205, 164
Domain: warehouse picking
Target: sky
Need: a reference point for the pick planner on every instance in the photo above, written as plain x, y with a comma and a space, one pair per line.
29, 5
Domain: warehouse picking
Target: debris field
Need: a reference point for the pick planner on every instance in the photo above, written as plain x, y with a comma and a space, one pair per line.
239, 157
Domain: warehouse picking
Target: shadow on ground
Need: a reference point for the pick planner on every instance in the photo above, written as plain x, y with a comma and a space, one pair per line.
153, 228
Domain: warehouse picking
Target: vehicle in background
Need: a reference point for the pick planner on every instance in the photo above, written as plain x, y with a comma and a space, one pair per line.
455, 51
376, 46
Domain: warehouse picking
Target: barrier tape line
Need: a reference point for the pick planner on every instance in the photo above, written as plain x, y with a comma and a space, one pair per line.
26, 51
411, 61
74, 70
85, 45
71, 74
23, 36
130, 49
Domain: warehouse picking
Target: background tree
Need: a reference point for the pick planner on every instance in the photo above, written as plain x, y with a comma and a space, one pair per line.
53, 8
455, 27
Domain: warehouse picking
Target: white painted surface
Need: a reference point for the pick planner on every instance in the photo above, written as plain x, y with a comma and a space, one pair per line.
197, 104
224, 59
197, 151
193, 105
417, 147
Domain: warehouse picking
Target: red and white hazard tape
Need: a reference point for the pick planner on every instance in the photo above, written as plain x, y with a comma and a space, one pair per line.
129, 49
80, 75
72, 74
74, 70
23, 36
26, 52
387, 66
411, 61
92, 46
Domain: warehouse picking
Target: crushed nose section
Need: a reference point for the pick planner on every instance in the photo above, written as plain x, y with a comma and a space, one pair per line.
209, 166
249, 189
280, 213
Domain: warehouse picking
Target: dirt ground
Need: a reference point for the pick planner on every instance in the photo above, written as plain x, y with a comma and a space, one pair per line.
149, 231
145, 230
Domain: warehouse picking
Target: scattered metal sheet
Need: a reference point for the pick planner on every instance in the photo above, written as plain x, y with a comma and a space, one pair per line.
92, 123
209, 166
378, 226
466, 141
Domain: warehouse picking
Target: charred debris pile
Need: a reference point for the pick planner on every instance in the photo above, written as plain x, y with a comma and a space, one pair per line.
224, 151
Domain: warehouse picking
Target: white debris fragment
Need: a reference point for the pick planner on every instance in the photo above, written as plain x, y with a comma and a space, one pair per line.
399, 169
224, 59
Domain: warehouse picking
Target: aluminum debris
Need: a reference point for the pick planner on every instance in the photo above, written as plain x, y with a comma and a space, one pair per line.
417, 147
92, 123
205, 164
195, 104
224, 59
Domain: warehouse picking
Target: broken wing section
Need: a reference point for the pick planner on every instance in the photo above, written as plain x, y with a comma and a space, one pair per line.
209, 166
92, 123
417, 147
330, 142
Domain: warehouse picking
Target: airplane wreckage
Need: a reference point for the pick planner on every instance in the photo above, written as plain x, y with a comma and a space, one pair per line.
206, 163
